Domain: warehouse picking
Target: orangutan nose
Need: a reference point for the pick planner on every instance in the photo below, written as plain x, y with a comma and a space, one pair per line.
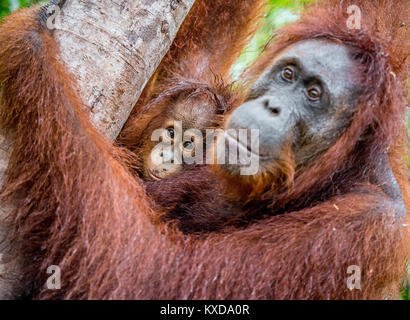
271, 107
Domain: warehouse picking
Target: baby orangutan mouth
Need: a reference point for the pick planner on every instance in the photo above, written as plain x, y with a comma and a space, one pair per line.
161, 172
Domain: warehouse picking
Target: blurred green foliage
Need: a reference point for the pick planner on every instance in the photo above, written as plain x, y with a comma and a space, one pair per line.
7, 6
278, 13
406, 291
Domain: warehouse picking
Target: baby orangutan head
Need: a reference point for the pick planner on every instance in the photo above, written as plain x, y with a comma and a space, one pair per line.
171, 132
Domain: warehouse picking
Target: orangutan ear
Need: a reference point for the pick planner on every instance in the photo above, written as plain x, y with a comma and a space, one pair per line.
135, 127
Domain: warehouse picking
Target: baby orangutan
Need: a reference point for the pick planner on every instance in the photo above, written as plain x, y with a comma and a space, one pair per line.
185, 92
171, 130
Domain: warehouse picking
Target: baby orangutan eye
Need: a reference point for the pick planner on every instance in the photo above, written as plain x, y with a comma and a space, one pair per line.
188, 145
170, 132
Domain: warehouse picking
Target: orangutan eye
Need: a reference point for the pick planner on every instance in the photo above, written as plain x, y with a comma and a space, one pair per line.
314, 93
188, 145
288, 73
170, 132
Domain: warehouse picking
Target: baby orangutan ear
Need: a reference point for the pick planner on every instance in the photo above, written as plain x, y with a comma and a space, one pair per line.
131, 135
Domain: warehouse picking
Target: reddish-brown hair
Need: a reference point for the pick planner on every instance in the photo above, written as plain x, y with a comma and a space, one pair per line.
78, 207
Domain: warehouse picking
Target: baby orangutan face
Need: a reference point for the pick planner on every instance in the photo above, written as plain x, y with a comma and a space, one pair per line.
176, 136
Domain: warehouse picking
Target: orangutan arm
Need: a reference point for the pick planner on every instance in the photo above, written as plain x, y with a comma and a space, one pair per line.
296, 255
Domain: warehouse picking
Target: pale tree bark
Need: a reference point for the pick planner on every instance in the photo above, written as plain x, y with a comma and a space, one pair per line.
111, 48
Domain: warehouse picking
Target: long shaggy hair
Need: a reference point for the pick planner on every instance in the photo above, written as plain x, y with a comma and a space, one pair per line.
78, 207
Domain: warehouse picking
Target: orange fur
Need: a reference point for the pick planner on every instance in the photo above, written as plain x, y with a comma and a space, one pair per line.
78, 207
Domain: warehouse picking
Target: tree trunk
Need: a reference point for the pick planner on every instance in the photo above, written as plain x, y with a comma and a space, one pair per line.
111, 48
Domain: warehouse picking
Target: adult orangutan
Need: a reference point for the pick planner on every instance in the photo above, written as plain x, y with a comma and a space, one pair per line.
328, 195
